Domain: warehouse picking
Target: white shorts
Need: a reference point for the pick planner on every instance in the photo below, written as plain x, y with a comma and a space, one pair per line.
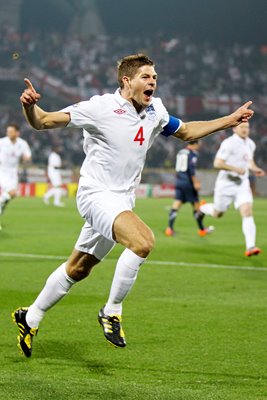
55, 178
8, 180
100, 210
227, 192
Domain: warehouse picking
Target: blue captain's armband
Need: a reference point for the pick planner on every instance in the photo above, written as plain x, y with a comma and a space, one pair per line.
172, 126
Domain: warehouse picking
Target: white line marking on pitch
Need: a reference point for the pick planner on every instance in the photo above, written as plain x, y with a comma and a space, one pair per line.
174, 263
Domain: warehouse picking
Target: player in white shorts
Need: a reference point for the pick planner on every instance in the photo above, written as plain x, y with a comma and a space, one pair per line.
118, 130
235, 158
55, 178
13, 149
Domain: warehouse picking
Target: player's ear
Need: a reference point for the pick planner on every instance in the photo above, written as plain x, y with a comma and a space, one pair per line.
126, 81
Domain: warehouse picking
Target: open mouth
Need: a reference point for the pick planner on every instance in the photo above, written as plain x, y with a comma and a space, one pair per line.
148, 94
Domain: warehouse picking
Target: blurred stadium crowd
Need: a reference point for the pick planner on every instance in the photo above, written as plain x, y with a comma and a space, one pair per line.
195, 82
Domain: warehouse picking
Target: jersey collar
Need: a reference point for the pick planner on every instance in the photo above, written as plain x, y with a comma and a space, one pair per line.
122, 102
10, 141
238, 138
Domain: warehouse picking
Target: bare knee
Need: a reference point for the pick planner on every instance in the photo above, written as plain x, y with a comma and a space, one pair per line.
79, 265
218, 214
12, 193
130, 231
246, 210
143, 245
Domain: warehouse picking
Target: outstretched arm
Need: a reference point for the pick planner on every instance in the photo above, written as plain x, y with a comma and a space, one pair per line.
198, 129
35, 115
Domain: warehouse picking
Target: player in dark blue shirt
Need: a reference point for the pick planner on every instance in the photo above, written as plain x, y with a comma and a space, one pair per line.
186, 187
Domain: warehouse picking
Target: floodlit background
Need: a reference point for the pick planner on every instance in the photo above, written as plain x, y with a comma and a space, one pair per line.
210, 55
196, 319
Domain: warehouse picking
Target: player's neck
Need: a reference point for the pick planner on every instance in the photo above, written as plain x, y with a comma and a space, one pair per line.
242, 137
125, 94
137, 106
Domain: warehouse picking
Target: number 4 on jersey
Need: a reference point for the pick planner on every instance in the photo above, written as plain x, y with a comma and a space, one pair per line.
140, 136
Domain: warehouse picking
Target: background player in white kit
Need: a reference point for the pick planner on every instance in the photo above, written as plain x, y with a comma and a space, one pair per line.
55, 178
13, 149
118, 130
235, 158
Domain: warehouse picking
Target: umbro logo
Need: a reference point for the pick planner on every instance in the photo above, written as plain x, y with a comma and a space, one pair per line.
119, 111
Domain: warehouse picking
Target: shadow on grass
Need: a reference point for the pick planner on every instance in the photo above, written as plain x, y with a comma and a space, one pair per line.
65, 353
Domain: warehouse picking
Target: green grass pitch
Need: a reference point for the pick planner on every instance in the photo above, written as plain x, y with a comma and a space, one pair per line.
195, 321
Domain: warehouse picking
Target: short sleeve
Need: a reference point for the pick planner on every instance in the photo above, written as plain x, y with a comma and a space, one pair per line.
84, 114
168, 125
171, 126
192, 164
26, 150
224, 150
253, 148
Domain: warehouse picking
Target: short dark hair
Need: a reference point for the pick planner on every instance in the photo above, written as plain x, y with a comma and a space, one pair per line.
15, 126
128, 66
193, 141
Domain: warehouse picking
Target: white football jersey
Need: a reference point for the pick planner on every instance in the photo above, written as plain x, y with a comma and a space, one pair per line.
53, 171
54, 161
116, 139
237, 152
11, 153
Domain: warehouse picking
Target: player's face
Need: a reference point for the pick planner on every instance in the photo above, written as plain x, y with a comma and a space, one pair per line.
12, 132
142, 86
242, 130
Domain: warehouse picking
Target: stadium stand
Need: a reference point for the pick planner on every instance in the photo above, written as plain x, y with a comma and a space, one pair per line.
196, 81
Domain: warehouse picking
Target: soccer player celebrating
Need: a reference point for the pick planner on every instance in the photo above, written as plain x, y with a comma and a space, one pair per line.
13, 149
186, 187
118, 130
234, 159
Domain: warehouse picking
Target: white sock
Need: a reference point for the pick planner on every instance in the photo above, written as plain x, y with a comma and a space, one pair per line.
249, 230
207, 209
50, 193
125, 275
57, 286
58, 194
